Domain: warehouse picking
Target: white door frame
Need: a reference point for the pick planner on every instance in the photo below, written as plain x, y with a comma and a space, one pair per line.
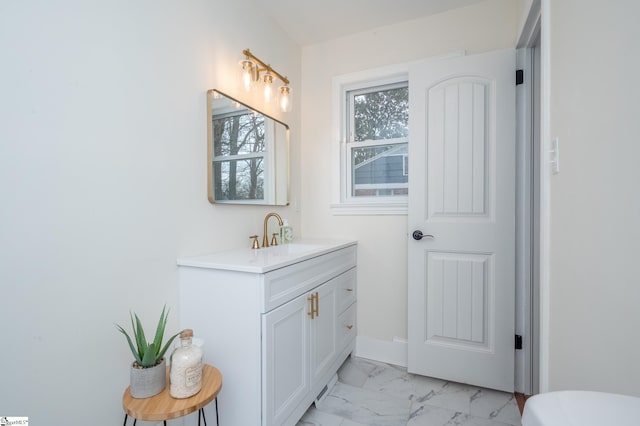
527, 220
533, 225
545, 191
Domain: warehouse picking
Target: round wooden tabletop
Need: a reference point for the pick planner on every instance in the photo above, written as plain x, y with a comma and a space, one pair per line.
164, 407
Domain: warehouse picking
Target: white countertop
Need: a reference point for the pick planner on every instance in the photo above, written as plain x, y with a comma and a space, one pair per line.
267, 259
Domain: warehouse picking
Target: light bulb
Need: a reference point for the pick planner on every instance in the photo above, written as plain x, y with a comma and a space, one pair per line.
284, 98
268, 87
248, 74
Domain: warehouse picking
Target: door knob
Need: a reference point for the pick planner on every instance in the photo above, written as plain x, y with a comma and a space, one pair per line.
418, 235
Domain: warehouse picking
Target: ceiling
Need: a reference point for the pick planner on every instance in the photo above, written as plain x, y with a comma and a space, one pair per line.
313, 21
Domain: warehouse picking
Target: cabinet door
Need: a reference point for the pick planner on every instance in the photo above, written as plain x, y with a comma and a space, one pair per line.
323, 329
285, 358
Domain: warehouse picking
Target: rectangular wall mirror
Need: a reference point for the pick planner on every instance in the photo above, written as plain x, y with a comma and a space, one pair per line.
248, 154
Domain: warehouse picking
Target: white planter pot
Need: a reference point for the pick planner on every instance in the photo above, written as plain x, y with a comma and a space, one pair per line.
150, 381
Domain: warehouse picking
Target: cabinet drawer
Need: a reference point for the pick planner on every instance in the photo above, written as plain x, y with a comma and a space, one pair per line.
346, 289
346, 327
285, 284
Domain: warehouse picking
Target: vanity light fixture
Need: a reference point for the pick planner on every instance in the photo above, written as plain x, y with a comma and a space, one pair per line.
251, 69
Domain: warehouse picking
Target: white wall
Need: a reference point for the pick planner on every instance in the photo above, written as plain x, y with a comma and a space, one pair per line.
382, 250
523, 8
103, 183
595, 208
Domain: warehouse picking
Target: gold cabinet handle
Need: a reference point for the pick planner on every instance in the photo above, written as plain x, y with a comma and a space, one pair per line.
312, 312
350, 327
317, 305
314, 306
349, 289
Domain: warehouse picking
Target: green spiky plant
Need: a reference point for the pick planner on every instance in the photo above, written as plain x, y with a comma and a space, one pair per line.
148, 354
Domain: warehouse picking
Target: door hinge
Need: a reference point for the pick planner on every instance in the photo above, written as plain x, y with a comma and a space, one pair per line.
518, 341
519, 77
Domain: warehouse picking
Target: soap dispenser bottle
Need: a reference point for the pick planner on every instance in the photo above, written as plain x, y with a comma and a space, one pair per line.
286, 232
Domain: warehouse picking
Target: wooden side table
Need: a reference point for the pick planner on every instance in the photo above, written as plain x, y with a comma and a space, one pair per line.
163, 407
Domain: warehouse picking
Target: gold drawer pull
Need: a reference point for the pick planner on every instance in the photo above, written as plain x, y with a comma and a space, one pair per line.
349, 327
314, 309
349, 289
312, 313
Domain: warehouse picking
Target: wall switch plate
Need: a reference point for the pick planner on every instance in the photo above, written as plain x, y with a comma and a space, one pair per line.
555, 156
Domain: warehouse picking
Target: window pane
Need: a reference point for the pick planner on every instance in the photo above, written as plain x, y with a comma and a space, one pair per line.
379, 170
239, 179
238, 134
382, 114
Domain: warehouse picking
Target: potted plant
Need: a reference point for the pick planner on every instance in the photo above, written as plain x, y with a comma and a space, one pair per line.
148, 371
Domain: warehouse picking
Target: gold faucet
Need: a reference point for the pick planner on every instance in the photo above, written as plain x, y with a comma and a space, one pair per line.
265, 238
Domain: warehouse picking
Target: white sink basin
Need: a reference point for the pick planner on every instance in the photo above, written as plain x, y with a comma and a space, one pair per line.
264, 259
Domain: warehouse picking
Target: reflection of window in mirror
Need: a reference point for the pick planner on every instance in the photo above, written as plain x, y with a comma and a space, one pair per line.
248, 154
239, 151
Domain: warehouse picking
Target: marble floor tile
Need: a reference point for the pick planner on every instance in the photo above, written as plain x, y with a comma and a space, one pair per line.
371, 393
450, 395
426, 415
366, 407
391, 380
315, 417
494, 405
356, 371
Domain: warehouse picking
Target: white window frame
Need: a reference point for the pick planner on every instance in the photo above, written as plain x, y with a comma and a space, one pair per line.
342, 201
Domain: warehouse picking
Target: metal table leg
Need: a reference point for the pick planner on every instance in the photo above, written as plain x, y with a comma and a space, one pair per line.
126, 417
200, 414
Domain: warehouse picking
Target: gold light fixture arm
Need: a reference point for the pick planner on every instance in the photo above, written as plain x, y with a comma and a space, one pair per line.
266, 67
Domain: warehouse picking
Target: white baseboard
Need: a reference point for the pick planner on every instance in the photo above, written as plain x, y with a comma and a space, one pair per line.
391, 352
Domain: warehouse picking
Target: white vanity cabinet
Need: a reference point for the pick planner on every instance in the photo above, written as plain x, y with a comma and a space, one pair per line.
277, 326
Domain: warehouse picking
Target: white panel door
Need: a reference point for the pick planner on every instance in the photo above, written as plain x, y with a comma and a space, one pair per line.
462, 198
